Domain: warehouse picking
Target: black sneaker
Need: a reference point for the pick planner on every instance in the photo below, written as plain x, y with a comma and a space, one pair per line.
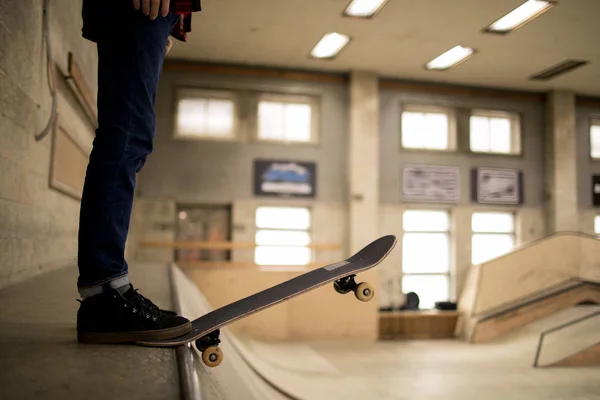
110, 317
151, 304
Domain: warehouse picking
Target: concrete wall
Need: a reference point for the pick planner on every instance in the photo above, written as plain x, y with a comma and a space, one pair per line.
216, 172
530, 215
221, 172
586, 167
38, 226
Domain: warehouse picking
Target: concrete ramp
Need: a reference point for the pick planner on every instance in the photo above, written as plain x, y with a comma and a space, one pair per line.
234, 379
536, 280
254, 370
572, 340
584, 358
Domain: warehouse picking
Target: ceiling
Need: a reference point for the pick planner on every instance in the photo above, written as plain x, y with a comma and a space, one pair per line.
404, 36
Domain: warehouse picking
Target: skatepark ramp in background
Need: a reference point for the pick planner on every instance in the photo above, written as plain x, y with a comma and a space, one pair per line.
538, 279
573, 343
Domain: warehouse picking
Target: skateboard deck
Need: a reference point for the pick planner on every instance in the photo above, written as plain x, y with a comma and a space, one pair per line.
205, 329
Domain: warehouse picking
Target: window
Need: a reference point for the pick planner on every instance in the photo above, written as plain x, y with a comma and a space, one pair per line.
495, 132
205, 114
427, 128
595, 138
426, 255
287, 119
282, 236
493, 235
597, 224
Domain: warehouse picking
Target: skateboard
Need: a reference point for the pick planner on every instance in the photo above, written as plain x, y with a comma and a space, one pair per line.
205, 329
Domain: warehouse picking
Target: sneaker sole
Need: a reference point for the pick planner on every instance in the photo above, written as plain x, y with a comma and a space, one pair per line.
133, 336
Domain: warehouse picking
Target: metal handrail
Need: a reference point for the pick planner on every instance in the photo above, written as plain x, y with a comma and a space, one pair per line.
556, 328
189, 383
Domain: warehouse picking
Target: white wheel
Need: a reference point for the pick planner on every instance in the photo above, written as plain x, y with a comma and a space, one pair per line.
364, 291
212, 356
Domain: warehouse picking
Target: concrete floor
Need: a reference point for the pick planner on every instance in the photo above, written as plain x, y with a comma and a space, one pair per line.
41, 358
420, 370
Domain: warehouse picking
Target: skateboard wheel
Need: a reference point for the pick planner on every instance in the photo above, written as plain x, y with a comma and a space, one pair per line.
212, 356
338, 289
364, 291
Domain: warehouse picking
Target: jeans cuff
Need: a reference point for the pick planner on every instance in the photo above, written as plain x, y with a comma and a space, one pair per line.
88, 291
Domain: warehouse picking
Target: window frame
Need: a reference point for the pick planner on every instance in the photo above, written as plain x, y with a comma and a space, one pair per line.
315, 117
186, 92
512, 234
515, 130
432, 109
309, 230
451, 251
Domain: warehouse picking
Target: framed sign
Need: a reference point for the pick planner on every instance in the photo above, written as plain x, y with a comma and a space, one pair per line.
431, 183
497, 186
284, 178
596, 190
68, 161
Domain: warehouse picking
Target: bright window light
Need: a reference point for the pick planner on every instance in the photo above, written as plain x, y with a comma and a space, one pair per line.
493, 235
521, 15
426, 221
284, 121
282, 236
597, 224
490, 135
595, 141
364, 8
493, 222
282, 218
450, 58
205, 117
426, 255
487, 246
330, 45
281, 255
425, 130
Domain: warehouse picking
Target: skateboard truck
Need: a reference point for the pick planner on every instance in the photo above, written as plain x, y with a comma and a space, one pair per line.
209, 346
363, 291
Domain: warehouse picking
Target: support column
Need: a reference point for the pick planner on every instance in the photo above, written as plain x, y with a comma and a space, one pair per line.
363, 160
561, 167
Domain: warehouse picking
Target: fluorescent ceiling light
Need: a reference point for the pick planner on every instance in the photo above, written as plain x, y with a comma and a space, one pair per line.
364, 8
329, 45
521, 15
452, 57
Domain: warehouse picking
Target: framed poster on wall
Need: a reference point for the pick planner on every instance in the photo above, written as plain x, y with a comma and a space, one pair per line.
431, 183
497, 186
285, 178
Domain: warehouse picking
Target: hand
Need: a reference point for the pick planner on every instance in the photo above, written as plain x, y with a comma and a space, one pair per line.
169, 45
152, 7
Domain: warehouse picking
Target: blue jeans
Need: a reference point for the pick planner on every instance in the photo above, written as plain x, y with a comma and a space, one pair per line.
131, 51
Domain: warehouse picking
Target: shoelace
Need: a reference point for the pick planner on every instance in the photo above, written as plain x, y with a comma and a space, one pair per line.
143, 306
147, 302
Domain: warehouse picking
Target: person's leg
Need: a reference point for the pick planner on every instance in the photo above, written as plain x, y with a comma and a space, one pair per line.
131, 51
